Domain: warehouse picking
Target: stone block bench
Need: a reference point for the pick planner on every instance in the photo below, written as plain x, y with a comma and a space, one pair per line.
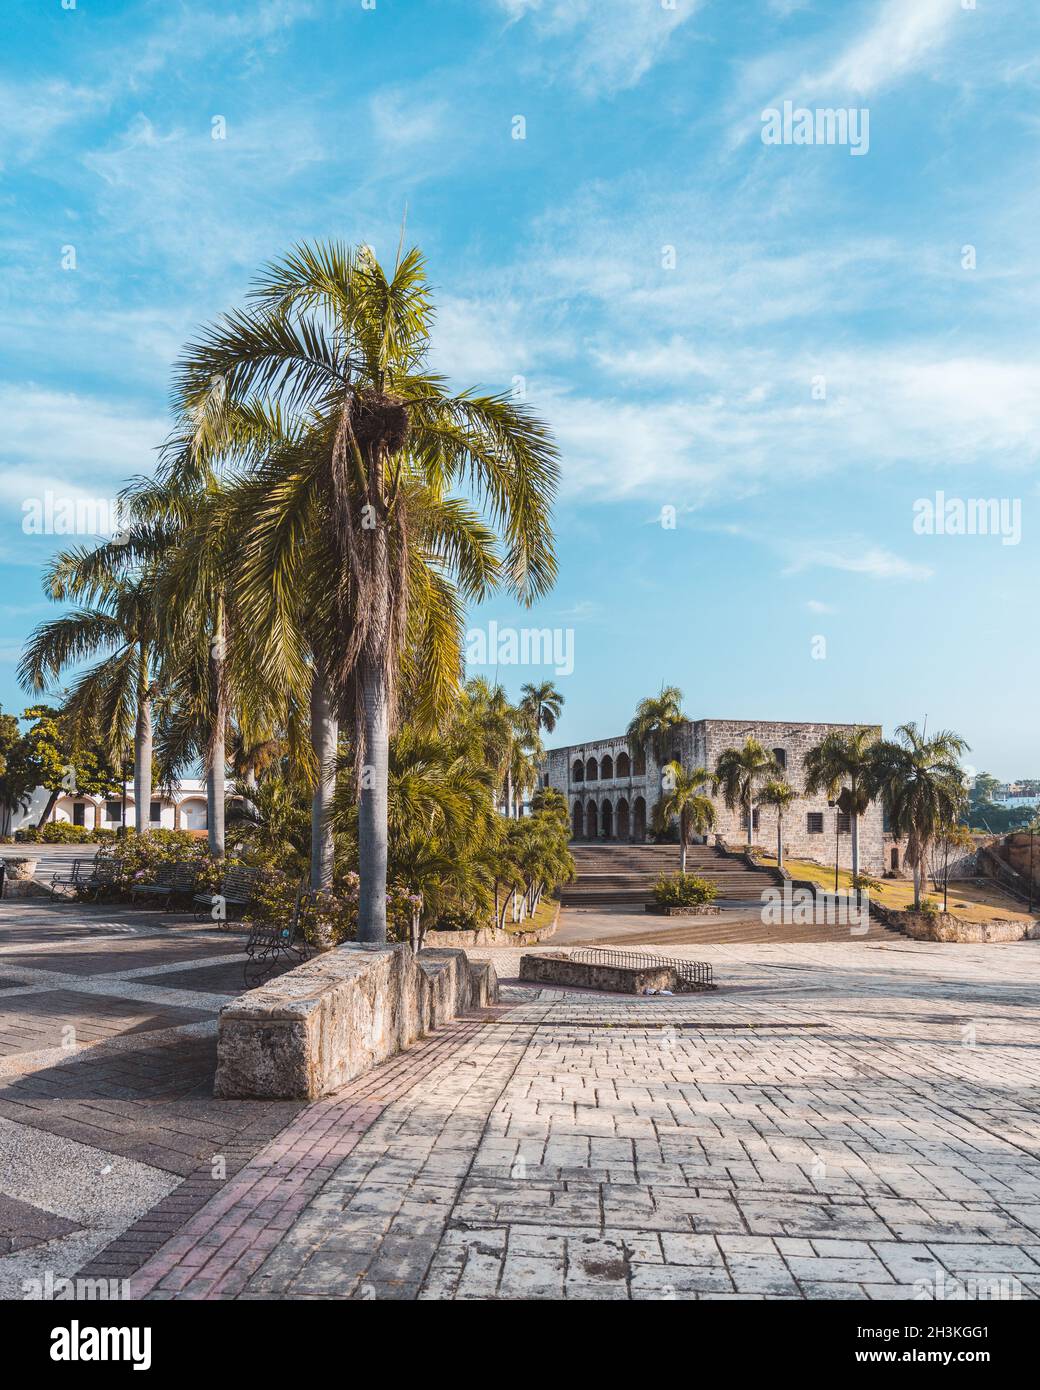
624, 974
315, 1028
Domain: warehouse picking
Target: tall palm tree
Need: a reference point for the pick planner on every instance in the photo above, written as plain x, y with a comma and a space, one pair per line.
739, 771
842, 761
922, 787
116, 620
544, 704
654, 724
336, 347
683, 796
779, 794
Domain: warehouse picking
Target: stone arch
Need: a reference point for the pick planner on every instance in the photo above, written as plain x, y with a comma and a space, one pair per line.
780, 758
606, 819
577, 822
606, 768
192, 813
639, 819
591, 771
591, 822
622, 828
624, 766
578, 771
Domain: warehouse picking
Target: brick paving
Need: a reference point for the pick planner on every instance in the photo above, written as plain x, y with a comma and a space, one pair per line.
855, 1120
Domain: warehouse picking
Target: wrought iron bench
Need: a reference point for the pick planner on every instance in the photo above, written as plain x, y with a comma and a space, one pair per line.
176, 879
236, 890
75, 876
92, 881
270, 942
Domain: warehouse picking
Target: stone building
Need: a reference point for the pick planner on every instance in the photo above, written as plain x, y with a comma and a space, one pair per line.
611, 795
181, 808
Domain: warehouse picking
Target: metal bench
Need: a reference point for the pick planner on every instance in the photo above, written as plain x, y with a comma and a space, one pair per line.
75, 876
270, 942
179, 878
103, 874
236, 890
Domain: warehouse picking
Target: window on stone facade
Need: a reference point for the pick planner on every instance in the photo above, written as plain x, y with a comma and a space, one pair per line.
754, 820
79, 813
578, 771
624, 765
844, 823
591, 771
814, 822
780, 754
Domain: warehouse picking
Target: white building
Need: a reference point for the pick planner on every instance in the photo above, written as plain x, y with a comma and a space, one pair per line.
183, 809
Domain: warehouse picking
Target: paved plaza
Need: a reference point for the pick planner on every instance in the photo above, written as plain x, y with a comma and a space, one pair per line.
841, 1119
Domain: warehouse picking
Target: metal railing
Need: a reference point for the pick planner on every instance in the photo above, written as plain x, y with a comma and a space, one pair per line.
691, 972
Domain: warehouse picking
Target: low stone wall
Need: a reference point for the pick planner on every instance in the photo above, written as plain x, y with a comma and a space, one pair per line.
493, 936
560, 969
314, 1028
946, 927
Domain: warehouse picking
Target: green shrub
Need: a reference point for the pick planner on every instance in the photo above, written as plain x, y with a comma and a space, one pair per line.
141, 858
683, 890
460, 919
330, 917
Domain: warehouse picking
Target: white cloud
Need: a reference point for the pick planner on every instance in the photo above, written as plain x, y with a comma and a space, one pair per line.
399, 118
816, 605
905, 35
604, 45
857, 557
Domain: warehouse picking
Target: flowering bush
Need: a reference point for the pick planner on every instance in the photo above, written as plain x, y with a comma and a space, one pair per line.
683, 890
142, 858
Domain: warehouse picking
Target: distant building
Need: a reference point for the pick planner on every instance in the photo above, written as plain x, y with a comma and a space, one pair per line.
611, 795
182, 809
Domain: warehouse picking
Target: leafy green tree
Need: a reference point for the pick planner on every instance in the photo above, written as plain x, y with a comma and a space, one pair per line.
778, 793
653, 726
843, 761
683, 797
65, 759
739, 771
921, 785
323, 382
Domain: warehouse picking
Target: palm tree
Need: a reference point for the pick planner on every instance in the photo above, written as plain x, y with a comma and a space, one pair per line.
739, 771
683, 796
779, 794
329, 361
543, 703
654, 724
842, 761
922, 787
116, 619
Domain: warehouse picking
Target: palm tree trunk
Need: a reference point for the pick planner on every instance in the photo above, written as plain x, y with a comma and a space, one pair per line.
779, 842
682, 854
143, 765
324, 741
48, 808
917, 886
216, 756
750, 818
855, 845
372, 811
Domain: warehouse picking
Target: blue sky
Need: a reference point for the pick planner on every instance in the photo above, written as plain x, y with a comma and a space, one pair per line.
687, 379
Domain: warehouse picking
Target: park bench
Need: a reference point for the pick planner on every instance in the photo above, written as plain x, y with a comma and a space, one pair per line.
236, 890
175, 879
270, 942
75, 876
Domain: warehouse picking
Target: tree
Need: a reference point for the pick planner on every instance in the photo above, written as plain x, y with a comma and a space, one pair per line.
778, 793
843, 761
330, 357
543, 703
683, 797
18, 777
654, 724
738, 772
66, 760
116, 617
950, 839
922, 788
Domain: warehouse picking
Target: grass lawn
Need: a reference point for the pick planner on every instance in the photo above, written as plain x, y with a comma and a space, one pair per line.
542, 917
967, 899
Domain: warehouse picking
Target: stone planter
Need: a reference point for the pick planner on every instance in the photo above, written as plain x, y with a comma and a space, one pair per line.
704, 910
21, 869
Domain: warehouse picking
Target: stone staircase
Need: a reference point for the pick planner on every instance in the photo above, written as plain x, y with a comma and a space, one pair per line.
619, 875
